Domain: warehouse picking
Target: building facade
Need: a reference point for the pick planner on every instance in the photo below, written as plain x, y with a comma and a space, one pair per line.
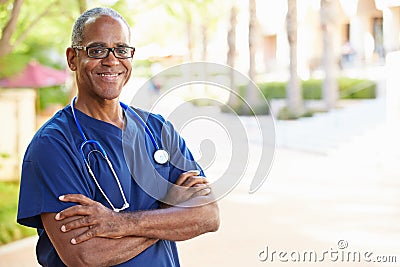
364, 32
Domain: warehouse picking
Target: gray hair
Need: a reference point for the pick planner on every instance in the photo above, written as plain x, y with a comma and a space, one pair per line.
79, 26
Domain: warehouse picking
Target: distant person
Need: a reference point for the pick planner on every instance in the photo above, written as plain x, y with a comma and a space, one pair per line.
76, 185
348, 54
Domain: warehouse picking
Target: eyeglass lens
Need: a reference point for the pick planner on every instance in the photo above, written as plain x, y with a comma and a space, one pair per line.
103, 52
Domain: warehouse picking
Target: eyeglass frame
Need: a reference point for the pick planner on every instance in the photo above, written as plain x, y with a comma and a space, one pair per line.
109, 49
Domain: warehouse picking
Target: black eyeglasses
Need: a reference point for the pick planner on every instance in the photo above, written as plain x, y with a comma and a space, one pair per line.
122, 52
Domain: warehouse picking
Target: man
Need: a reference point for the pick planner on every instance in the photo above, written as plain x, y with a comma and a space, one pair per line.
92, 213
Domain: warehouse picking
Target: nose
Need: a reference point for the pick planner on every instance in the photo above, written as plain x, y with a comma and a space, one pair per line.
110, 60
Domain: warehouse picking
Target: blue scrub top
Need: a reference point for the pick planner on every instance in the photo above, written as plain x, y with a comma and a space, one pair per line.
53, 166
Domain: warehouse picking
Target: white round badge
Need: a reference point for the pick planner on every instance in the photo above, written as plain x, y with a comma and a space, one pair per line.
161, 156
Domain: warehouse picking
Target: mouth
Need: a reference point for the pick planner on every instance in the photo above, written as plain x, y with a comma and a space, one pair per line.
109, 76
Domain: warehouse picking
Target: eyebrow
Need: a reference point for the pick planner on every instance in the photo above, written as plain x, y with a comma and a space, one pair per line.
102, 44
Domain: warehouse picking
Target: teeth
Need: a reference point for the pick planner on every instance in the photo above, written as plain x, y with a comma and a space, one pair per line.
108, 75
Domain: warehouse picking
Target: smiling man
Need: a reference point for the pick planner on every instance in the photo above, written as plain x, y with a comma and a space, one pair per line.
81, 183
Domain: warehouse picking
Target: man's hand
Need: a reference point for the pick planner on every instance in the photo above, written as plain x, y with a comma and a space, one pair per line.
188, 185
102, 222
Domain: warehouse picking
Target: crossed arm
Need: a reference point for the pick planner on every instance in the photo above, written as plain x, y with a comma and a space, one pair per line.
90, 234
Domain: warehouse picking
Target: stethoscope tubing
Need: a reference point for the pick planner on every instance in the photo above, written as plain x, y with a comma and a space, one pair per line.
141, 121
126, 108
160, 155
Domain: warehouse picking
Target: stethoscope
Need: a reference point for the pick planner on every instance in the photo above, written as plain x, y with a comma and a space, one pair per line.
160, 155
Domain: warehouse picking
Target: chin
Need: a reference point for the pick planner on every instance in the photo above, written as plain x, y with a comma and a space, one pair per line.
110, 93
111, 96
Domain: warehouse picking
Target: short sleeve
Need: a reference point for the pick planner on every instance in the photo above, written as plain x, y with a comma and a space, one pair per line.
51, 168
181, 159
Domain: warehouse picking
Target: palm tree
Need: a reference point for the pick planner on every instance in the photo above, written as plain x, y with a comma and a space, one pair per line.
231, 38
209, 15
184, 11
293, 89
251, 94
329, 87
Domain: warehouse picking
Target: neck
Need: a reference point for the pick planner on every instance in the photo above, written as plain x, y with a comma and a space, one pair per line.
109, 111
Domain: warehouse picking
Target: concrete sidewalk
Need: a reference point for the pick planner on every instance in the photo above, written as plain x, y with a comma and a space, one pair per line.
309, 203
330, 185
333, 190
19, 254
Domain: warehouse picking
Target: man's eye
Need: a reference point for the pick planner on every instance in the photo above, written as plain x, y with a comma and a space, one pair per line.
121, 50
96, 51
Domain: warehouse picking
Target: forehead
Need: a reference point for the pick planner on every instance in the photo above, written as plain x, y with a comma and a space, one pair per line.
105, 29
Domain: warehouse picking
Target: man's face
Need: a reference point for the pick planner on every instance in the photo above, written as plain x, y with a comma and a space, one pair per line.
103, 78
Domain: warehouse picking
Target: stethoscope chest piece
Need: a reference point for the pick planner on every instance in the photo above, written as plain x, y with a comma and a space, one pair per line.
161, 156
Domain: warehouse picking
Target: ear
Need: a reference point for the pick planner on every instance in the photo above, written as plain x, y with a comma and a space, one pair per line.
71, 58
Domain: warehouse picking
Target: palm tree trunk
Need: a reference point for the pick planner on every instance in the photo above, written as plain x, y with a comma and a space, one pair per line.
231, 38
189, 34
329, 87
251, 94
293, 89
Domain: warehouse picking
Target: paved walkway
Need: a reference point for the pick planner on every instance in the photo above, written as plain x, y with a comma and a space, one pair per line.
328, 131
19, 254
335, 177
334, 182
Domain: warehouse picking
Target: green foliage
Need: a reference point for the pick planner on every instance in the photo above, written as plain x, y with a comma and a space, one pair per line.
47, 27
3, 156
349, 88
9, 229
55, 95
286, 114
126, 9
272, 90
312, 89
44, 22
357, 88
12, 64
42, 33
142, 68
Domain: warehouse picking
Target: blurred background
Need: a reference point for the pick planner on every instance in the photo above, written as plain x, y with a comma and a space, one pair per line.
328, 69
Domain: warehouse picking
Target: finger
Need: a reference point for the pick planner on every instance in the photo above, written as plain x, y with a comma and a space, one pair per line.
184, 176
193, 190
77, 210
193, 181
202, 192
77, 198
85, 236
205, 180
201, 185
84, 221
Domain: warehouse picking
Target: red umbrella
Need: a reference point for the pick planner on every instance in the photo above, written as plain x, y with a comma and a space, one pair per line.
35, 75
